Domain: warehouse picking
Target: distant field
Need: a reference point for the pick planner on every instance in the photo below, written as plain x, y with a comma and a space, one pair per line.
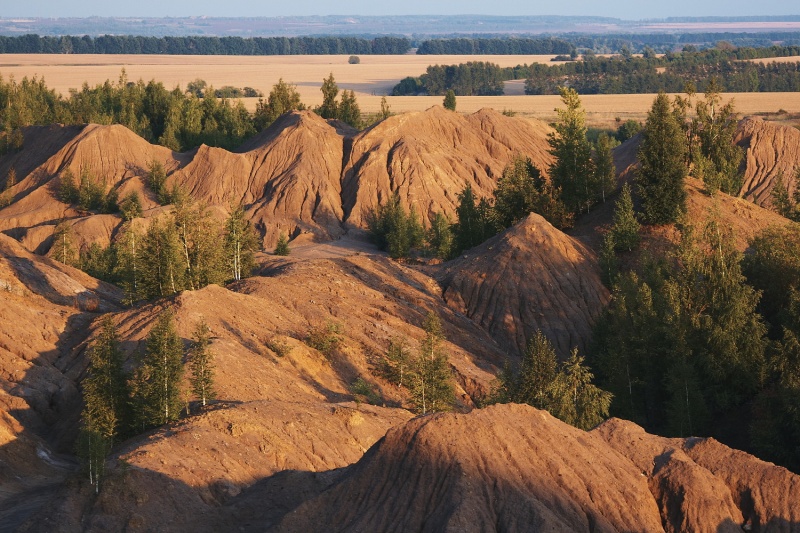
371, 79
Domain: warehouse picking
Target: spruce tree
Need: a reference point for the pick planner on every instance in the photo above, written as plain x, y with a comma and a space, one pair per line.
662, 155
201, 361
430, 378
571, 170
625, 229
578, 401
161, 372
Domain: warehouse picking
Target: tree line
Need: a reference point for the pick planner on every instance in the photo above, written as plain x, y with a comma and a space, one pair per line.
201, 45
621, 74
495, 46
177, 119
625, 74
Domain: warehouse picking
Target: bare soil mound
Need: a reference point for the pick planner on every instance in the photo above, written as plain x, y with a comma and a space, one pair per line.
504, 468
772, 150
288, 177
46, 312
430, 157
497, 469
702, 485
530, 277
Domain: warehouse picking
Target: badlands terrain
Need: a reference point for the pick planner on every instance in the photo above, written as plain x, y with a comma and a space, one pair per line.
288, 446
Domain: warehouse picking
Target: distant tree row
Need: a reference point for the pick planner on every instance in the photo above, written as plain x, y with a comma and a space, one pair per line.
496, 46
179, 120
626, 74
198, 45
172, 118
670, 42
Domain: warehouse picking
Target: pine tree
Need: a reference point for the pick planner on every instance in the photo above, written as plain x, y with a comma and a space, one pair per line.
282, 98
282, 247
329, 108
202, 364
430, 378
662, 155
63, 248
625, 229
449, 100
393, 229
160, 373
572, 170
240, 244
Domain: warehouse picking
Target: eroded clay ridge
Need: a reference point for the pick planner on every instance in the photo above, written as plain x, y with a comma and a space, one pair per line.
301, 175
530, 277
772, 150
514, 468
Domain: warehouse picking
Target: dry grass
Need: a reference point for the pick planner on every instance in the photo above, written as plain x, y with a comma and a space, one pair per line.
371, 79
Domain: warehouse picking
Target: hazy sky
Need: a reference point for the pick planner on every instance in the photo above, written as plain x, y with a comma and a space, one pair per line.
625, 9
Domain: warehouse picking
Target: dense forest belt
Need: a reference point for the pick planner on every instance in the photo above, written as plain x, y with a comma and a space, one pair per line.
137, 44
738, 70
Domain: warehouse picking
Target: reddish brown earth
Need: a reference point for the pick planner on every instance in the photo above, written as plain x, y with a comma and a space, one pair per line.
530, 277
287, 447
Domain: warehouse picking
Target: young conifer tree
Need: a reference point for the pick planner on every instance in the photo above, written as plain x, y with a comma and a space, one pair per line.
201, 361
161, 373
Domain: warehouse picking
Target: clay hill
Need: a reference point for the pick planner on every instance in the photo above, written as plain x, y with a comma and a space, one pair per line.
429, 157
504, 468
531, 277
302, 175
772, 150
